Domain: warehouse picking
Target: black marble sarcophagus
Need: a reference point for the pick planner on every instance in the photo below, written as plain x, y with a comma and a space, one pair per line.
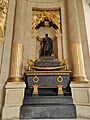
47, 94
48, 73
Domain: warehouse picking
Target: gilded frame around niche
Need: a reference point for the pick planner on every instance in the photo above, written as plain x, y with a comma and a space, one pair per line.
40, 15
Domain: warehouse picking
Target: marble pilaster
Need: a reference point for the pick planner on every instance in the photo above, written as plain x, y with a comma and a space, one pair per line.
7, 48
79, 75
80, 85
16, 63
15, 86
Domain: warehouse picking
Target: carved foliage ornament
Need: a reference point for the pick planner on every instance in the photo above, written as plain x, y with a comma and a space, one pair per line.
39, 16
3, 13
46, 23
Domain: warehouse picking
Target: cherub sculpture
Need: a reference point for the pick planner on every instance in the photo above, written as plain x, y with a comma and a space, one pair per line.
65, 62
30, 64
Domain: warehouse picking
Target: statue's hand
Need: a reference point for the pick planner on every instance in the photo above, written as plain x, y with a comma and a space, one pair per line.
38, 38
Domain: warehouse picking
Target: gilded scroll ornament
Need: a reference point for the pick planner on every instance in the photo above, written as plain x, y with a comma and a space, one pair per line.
65, 63
30, 64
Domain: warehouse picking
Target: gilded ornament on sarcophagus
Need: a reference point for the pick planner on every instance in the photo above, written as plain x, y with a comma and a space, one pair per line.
46, 64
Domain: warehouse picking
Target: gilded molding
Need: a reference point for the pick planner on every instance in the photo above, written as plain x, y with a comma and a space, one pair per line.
47, 72
46, 1
15, 79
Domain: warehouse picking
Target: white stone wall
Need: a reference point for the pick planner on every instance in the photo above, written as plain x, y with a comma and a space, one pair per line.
19, 28
84, 38
23, 25
7, 50
86, 7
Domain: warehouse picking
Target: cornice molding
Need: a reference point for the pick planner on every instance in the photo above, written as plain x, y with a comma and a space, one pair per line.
46, 1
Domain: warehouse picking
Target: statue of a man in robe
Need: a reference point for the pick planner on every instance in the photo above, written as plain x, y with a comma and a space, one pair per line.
46, 46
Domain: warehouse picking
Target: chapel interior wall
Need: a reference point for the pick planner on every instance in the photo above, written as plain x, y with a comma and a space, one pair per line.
23, 26
20, 17
83, 12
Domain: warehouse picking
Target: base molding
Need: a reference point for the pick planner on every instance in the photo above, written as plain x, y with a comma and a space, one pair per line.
81, 98
48, 107
11, 112
13, 100
83, 111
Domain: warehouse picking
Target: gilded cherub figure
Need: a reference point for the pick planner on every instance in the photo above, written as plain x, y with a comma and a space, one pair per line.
30, 64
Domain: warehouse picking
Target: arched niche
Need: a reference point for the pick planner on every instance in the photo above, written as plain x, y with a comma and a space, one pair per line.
51, 26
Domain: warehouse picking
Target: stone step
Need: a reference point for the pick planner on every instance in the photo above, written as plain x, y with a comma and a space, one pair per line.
47, 111
47, 100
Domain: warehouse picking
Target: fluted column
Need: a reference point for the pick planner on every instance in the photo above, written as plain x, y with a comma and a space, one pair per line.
79, 75
16, 63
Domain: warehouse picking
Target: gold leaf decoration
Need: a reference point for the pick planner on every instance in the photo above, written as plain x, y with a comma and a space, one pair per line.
3, 14
40, 15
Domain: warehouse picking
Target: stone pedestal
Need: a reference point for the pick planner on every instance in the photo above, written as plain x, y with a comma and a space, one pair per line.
15, 86
81, 98
48, 107
13, 100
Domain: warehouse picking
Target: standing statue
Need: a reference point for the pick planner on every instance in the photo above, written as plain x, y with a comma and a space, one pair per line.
46, 46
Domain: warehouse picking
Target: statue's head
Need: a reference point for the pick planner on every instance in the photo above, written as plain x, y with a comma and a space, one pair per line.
46, 22
46, 35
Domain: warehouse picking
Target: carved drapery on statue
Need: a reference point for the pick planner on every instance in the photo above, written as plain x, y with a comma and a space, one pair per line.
46, 46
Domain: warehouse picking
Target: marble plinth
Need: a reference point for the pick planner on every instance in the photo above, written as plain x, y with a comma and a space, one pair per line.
13, 100
48, 107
